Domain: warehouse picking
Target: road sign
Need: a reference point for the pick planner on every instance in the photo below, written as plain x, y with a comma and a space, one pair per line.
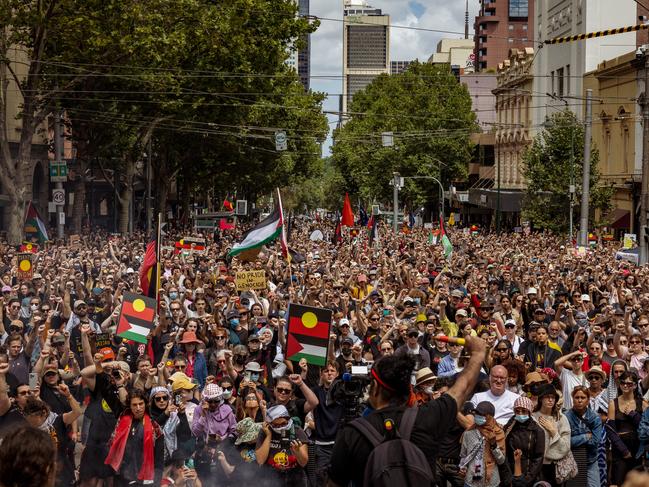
58, 171
61, 218
58, 196
280, 141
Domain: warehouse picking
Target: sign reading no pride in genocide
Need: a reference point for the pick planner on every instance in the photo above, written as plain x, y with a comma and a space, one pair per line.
247, 280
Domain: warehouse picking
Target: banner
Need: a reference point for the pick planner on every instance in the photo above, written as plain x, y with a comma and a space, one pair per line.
25, 270
308, 334
137, 317
247, 280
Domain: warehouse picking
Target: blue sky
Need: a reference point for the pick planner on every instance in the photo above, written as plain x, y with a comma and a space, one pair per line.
326, 47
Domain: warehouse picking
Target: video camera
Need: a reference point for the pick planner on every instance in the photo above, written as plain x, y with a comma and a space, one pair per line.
348, 391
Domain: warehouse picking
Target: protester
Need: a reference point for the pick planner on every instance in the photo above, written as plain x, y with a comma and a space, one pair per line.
546, 315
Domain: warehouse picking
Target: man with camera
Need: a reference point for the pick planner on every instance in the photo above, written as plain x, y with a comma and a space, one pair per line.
389, 395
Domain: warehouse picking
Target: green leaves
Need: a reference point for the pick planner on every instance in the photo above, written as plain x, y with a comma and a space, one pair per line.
551, 164
429, 113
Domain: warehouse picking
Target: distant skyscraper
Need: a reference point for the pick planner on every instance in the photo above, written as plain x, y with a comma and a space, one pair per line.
366, 47
304, 54
397, 67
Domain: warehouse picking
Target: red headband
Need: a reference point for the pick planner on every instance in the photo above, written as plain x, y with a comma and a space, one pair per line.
383, 384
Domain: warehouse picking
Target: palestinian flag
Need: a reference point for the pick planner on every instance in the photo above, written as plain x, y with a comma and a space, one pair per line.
261, 234
446, 243
136, 318
34, 227
149, 270
308, 334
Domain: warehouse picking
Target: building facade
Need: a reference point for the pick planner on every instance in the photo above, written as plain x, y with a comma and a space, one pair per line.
559, 68
500, 26
617, 134
366, 47
514, 103
458, 53
398, 67
304, 54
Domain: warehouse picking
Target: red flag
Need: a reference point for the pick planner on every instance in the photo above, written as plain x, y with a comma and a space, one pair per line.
228, 204
226, 224
149, 270
348, 214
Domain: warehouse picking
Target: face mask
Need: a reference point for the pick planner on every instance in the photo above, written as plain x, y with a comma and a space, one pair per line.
479, 420
428, 390
286, 427
34, 307
227, 395
254, 377
234, 322
521, 418
173, 296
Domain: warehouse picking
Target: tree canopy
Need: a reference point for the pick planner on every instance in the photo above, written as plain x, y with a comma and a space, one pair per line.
551, 164
430, 115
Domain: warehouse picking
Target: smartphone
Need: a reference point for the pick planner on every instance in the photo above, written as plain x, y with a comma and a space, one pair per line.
33, 380
178, 400
189, 463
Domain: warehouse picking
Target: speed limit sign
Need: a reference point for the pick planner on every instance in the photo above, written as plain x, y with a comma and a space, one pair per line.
58, 196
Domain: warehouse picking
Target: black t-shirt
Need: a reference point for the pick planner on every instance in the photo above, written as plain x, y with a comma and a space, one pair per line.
326, 418
352, 449
280, 456
436, 357
11, 419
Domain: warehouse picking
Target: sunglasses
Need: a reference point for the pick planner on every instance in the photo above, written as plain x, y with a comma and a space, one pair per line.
594, 377
220, 338
510, 326
413, 335
160, 398
281, 390
627, 384
180, 367
502, 350
374, 319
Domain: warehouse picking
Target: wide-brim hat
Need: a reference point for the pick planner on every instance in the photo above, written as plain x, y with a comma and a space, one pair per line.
190, 337
247, 431
424, 375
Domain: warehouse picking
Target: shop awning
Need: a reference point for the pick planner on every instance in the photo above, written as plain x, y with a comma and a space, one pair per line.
620, 218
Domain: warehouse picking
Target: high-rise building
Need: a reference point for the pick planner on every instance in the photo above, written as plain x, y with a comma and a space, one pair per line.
398, 67
304, 54
457, 53
559, 68
500, 26
366, 47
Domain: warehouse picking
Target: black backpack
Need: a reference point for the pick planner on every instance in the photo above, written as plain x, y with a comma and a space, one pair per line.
395, 462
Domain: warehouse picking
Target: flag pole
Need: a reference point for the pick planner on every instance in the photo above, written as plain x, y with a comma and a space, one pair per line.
158, 244
283, 237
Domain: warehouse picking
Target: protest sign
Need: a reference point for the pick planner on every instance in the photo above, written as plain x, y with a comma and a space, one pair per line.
247, 280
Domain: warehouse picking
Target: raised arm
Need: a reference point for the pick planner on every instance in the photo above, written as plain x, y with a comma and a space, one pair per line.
468, 378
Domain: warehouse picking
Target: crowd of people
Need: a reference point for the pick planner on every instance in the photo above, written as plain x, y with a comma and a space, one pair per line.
550, 385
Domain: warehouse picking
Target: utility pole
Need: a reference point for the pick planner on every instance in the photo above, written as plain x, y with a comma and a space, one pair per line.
585, 192
59, 156
644, 191
395, 223
571, 189
498, 209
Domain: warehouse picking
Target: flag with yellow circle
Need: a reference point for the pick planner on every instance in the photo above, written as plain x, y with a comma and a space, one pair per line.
308, 333
137, 317
25, 268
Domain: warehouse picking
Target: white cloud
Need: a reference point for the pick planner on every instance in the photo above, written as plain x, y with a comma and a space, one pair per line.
405, 44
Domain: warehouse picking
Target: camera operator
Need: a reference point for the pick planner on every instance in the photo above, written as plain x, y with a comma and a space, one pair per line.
389, 395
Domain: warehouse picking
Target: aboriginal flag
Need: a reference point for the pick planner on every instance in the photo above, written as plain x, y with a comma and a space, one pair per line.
136, 318
308, 334
149, 270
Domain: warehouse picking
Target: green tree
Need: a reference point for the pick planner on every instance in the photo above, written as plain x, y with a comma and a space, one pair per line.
429, 113
549, 164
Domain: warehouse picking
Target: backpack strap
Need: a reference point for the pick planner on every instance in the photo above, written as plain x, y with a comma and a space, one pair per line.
368, 431
407, 423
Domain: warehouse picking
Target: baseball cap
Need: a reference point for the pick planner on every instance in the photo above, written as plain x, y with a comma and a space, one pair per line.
78, 303
456, 293
461, 312
531, 290
107, 354
6, 289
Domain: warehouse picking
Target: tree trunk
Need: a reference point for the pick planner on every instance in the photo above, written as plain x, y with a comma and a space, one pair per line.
79, 207
125, 196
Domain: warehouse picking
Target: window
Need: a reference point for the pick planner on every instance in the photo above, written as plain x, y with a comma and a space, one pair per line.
518, 8
552, 83
511, 27
525, 27
560, 82
568, 79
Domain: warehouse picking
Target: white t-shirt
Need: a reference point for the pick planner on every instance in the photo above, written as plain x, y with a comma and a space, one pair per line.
504, 404
569, 381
